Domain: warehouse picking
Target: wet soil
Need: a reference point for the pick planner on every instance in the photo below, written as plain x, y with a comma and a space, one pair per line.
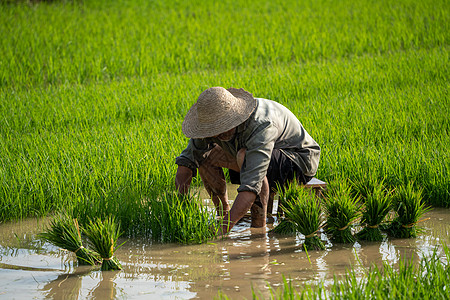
248, 258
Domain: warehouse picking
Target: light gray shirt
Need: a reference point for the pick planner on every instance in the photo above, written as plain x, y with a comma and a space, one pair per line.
270, 126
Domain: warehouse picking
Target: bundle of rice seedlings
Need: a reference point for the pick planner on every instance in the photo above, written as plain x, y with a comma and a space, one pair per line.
285, 227
377, 206
64, 232
364, 187
409, 208
103, 236
292, 190
305, 212
342, 209
181, 219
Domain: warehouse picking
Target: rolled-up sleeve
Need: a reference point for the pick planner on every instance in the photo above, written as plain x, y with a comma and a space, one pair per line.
192, 155
257, 158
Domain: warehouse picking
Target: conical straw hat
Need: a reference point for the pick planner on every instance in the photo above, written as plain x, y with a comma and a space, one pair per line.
216, 111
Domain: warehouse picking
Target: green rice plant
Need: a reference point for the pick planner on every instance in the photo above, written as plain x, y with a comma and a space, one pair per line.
304, 211
181, 219
364, 186
76, 118
284, 227
64, 232
103, 236
377, 205
342, 210
409, 208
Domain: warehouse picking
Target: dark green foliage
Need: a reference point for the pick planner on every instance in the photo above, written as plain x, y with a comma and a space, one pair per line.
342, 209
64, 232
103, 236
302, 209
409, 208
376, 206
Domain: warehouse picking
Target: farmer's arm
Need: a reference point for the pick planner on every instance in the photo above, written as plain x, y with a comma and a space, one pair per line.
183, 179
188, 162
243, 202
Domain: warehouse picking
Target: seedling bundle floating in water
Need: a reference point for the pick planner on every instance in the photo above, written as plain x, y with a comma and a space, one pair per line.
303, 211
342, 209
64, 232
103, 236
409, 208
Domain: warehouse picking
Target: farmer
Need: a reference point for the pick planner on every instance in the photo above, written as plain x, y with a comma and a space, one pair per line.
259, 141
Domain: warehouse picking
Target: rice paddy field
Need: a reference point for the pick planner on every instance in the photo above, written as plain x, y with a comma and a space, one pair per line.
93, 94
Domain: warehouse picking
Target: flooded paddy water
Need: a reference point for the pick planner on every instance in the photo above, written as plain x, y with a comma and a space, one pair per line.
248, 258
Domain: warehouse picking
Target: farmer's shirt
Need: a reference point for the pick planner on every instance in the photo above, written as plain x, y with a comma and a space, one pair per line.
270, 126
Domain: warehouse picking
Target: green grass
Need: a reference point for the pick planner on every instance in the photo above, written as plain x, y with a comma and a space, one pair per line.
93, 93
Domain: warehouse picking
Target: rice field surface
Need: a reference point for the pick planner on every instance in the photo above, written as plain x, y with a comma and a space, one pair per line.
250, 264
93, 93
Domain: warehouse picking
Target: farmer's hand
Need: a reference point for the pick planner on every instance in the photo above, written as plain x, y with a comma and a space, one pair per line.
241, 205
183, 179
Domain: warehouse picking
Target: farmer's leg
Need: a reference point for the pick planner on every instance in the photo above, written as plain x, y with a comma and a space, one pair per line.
213, 178
270, 202
259, 207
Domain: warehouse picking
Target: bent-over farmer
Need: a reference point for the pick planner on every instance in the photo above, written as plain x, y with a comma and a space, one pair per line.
260, 141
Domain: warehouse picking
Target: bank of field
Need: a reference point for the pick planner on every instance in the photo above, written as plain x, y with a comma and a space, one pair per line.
93, 93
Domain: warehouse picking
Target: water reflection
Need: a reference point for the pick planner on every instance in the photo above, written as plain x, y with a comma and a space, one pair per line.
69, 285
106, 288
248, 258
65, 286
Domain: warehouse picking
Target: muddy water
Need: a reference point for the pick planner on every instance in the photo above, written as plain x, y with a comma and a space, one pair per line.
248, 258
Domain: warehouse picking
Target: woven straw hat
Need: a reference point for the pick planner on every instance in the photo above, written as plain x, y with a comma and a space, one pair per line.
216, 111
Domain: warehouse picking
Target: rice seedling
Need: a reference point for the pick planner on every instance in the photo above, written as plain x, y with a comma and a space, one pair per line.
76, 116
342, 210
284, 227
409, 208
364, 186
181, 219
64, 232
376, 206
103, 236
304, 211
